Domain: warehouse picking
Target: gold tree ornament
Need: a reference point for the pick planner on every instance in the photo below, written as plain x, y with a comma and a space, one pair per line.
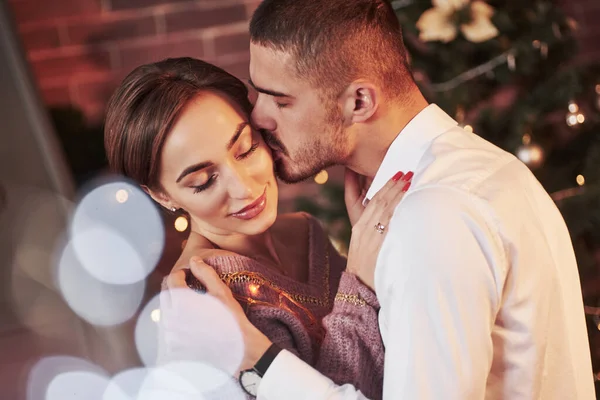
438, 23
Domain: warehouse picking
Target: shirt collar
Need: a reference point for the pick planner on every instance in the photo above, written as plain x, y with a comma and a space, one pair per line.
409, 146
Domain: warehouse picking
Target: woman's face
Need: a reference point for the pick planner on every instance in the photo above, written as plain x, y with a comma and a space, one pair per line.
218, 169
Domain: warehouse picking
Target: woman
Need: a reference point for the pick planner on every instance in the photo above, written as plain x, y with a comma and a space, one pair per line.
180, 128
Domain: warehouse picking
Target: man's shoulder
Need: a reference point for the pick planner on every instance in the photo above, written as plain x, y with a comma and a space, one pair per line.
459, 160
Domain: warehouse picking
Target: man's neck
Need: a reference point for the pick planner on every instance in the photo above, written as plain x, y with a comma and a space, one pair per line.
374, 141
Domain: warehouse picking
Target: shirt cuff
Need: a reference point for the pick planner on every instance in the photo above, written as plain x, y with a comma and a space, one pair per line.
290, 378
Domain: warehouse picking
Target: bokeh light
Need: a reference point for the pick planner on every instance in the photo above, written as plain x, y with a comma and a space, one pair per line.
77, 385
573, 107
189, 380
155, 315
121, 196
117, 232
321, 177
196, 327
43, 374
126, 385
108, 256
97, 302
146, 332
181, 223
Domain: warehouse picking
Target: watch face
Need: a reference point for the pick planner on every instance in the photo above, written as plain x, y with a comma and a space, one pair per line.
249, 381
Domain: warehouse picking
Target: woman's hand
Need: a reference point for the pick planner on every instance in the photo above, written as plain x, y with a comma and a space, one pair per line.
370, 229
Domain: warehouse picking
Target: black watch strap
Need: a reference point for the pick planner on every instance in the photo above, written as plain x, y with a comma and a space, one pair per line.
265, 361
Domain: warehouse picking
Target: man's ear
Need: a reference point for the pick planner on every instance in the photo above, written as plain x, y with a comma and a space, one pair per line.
359, 101
159, 196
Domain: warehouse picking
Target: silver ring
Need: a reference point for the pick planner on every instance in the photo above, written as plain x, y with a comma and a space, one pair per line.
380, 228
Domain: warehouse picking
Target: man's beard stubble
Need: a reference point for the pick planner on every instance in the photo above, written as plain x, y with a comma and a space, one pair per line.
314, 158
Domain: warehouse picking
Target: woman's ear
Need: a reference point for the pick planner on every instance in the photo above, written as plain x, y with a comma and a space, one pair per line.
359, 101
160, 197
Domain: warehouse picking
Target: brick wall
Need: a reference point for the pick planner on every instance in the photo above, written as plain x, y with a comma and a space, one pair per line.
80, 49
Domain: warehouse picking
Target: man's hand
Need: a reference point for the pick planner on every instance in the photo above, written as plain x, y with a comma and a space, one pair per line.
200, 324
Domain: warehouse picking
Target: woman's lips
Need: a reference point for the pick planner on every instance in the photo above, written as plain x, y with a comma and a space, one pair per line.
252, 209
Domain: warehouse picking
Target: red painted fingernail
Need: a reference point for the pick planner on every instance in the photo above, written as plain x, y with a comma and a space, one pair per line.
406, 187
398, 175
408, 176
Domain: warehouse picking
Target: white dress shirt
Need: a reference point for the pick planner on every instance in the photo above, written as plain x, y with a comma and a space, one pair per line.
477, 281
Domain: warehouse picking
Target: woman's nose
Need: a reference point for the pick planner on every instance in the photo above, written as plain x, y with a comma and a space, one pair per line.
239, 184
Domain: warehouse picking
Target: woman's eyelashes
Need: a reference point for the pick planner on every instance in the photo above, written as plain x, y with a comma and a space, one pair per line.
204, 186
211, 180
249, 152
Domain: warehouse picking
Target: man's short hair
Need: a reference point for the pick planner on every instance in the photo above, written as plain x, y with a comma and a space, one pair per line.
335, 42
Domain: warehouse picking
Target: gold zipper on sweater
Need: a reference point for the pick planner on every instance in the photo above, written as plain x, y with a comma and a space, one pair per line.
351, 298
251, 277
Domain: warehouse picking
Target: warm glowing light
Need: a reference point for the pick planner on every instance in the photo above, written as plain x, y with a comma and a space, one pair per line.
571, 119
532, 155
526, 139
580, 118
580, 180
155, 315
321, 177
122, 196
573, 107
181, 224
253, 288
468, 128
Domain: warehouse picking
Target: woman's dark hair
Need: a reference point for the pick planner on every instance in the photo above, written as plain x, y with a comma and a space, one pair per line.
146, 104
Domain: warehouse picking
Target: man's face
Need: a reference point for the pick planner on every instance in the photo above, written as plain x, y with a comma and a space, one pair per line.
305, 132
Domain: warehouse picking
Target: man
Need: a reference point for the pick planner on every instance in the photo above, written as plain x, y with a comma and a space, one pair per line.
477, 280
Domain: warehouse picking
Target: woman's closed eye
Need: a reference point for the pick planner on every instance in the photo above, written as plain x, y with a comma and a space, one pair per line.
204, 186
211, 179
249, 152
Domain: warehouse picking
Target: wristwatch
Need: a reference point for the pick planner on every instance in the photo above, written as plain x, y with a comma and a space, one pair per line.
250, 378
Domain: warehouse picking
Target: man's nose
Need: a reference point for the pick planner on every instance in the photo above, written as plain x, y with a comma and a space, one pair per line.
260, 115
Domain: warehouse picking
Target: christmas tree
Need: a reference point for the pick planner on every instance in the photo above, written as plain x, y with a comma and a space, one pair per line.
504, 70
